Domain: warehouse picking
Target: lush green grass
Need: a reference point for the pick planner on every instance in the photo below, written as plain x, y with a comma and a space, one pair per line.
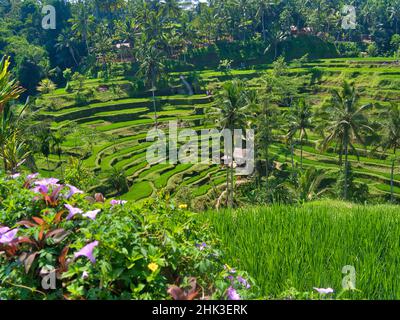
139, 191
308, 246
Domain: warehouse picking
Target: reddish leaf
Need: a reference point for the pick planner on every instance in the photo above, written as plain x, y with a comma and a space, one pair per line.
176, 293
25, 240
27, 224
58, 235
40, 237
179, 294
57, 218
39, 221
62, 259
29, 261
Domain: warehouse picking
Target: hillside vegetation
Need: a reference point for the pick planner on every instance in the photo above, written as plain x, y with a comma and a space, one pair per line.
116, 125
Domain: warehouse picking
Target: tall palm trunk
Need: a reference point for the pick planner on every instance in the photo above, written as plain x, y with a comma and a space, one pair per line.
267, 167
154, 102
346, 168
292, 152
263, 26
392, 182
71, 51
392, 176
301, 153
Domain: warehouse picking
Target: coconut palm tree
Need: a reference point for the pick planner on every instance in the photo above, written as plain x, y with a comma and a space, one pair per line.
394, 14
118, 180
345, 122
231, 111
151, 68
81, 25
265, 118
299, 120
309, 185
391, 138
57, 139
67, 41
46, 86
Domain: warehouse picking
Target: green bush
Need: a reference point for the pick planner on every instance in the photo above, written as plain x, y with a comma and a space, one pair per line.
348, 49
100, 249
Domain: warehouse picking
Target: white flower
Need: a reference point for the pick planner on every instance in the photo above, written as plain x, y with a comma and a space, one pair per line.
324, 291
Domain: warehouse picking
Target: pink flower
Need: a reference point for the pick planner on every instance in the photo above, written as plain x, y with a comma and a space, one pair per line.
243, 282
41, 189
87, 251
3, 230
47, 182
15, 176
232, 294
73, 190
201, 246
32, 176
72, 211
324, 291
8, 236
118, 202
92, 214
85, 275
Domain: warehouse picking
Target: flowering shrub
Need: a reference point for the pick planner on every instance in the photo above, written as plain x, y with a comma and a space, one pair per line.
58, 243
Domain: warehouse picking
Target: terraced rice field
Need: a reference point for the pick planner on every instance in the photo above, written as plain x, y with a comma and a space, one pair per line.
118, 125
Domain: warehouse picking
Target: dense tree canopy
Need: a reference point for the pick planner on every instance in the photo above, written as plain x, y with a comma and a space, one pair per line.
89, 30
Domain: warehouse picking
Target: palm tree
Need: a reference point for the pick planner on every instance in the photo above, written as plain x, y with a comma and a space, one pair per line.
46, 86
299, 118
394, 14
151, 68
263, 7
391, 138
276, 36
118, 180
345, 122
58, 139
309, 186
67, 41
232, 113
171, 8
82, 24
265, 117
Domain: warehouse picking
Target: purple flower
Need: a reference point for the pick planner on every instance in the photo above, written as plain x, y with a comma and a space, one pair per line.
72, 211
47, 182
324, 291
232, 294
73, 190
92, 214
8, 236
243, 282
229, 269
85, 275
32, 176
87, 251
3, 230
41, 189
201, 246
118, 202
15, 176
